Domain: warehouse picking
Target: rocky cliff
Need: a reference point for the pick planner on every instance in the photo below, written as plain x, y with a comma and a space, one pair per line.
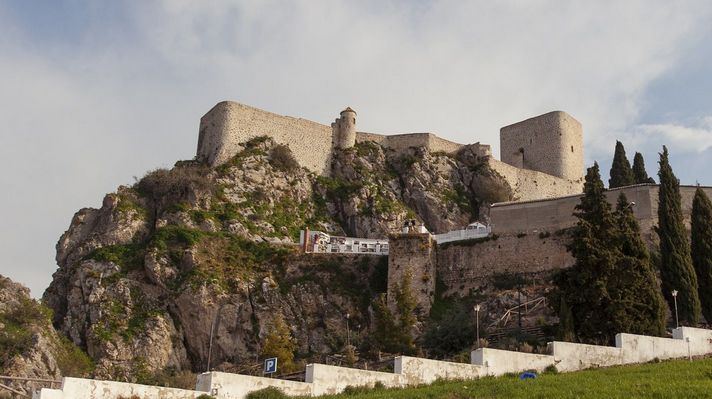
188, 268
29, 345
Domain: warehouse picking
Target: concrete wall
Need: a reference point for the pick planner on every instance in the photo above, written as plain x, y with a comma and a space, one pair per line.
571, 357
642, 348
237, 386
412, 255
416, 370
498, 362
533, 185
80, 388
323, 379
551, 143
230, 123
333, 379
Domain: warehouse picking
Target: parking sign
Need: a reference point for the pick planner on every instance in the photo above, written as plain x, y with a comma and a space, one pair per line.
271, 365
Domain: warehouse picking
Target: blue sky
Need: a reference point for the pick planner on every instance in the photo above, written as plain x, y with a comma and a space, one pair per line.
95, 93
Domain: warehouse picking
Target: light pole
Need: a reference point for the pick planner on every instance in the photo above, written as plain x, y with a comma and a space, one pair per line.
348, 333
477, 325
674, 297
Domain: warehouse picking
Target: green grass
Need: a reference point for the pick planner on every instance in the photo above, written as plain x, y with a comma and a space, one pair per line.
671, 379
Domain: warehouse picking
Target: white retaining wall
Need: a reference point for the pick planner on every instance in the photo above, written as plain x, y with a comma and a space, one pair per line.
572, 357
498, 362
332, 379
643, 348
81, 388
417, 370
237, 386
323, 379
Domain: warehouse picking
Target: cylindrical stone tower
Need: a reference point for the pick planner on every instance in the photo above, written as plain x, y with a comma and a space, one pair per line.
344, 129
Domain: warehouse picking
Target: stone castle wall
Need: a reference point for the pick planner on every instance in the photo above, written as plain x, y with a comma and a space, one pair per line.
230, 123
530, 185
551, 143
464, 265
557, 213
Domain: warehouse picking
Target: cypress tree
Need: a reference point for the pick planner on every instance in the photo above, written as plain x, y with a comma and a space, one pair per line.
639, 172
702, 249
621, 172
676, 268
583, 287
637, 307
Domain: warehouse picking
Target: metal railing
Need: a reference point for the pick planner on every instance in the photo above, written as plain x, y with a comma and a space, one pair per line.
5, 378
528, 306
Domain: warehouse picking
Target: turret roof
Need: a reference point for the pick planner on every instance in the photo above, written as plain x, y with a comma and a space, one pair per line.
348, 109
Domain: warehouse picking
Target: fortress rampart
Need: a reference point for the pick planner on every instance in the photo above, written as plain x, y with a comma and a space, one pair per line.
228, 123
544, 171
557, 213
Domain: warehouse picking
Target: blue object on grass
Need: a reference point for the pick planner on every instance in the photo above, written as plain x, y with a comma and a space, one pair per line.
527, 376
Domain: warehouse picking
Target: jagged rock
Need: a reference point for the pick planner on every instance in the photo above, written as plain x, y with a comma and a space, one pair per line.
196, 255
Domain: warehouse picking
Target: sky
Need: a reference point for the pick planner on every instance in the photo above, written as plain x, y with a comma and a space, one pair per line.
94, 94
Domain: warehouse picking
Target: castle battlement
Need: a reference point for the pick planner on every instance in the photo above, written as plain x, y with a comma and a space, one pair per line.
542, 157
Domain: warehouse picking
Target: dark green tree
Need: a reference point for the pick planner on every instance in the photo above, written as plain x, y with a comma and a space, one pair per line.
637, 306
702, 249
584, 287
394, 332
676, 270
621, 172
451, 333
639, 172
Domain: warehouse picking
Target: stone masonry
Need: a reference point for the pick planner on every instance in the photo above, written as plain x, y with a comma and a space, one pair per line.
552, 172
551, 143
420, 269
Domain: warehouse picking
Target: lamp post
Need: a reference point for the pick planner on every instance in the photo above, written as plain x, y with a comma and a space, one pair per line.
348, 333
674, 297
477, 325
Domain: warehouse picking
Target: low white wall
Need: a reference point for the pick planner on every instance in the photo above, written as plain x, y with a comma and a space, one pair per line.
237, 386
333, 379
498, 362
80, 388
417, 370
700, 340
572, 357
643, 348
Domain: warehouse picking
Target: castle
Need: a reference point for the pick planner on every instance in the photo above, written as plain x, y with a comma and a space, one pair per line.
541, 157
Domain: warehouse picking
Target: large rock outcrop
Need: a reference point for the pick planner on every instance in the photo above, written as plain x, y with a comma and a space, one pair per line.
187, 269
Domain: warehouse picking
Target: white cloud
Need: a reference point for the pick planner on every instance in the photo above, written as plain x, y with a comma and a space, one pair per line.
86, 115
694, 139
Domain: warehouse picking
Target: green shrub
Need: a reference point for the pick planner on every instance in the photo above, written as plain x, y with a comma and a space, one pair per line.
281, 158
267, 393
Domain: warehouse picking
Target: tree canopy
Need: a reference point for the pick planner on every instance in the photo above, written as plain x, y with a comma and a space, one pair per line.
639, 172
612, 286
676, 268
621, 172
701, 249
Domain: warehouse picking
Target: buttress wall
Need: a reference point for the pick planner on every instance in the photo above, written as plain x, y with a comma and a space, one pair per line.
229, 123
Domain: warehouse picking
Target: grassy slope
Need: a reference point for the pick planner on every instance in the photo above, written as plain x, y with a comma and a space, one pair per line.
671, 379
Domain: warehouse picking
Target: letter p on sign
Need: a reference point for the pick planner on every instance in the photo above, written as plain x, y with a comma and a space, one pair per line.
271, 365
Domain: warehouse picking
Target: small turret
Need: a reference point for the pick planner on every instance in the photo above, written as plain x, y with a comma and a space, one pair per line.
344, 129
